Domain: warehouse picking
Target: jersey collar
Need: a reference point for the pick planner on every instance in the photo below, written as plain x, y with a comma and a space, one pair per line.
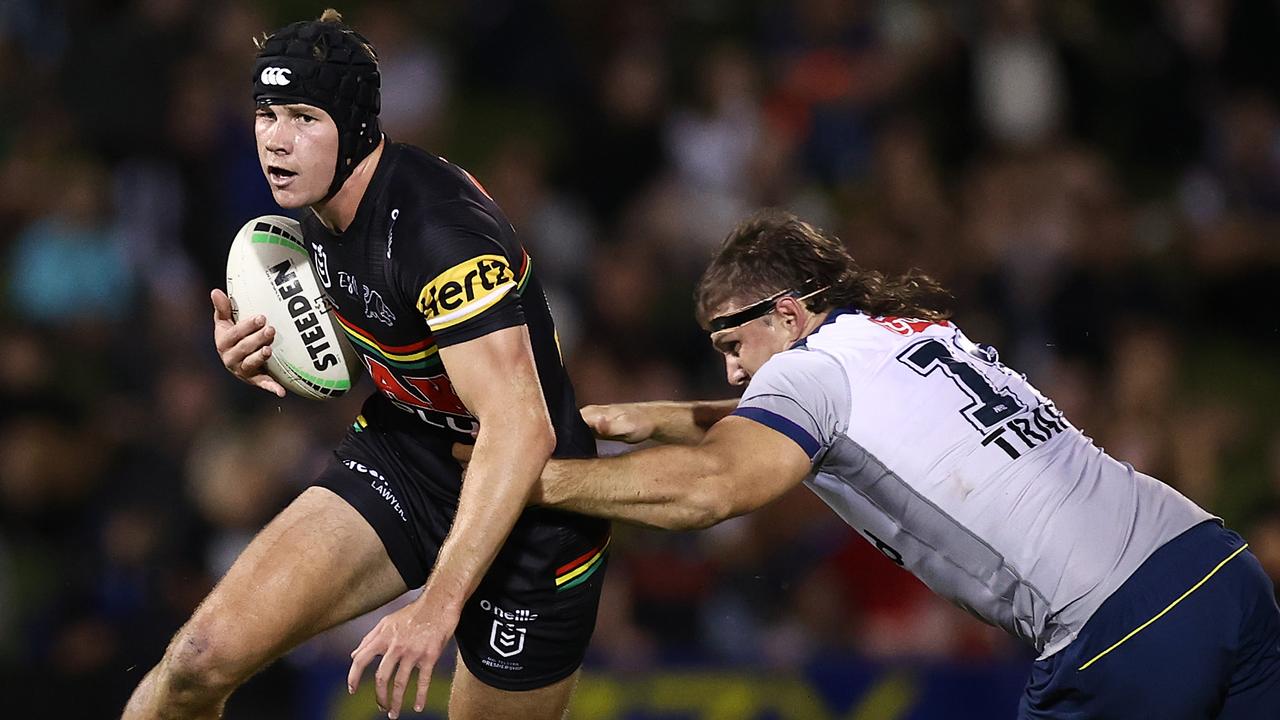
369, 202
835, 313
831, 318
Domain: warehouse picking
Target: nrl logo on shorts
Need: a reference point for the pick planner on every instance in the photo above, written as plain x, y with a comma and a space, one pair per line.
506, 639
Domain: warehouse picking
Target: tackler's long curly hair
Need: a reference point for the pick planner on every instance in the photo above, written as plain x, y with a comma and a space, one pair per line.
774, 251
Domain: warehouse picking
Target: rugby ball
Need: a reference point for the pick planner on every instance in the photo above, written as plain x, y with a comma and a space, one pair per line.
269, 272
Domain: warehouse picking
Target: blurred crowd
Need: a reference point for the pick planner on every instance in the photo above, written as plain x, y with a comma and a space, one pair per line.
1098, 183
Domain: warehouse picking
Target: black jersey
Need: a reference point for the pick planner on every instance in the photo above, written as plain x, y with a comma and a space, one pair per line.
430, 261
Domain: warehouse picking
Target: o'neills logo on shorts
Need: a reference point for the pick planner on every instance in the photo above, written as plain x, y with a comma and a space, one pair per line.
465, 290
508, 615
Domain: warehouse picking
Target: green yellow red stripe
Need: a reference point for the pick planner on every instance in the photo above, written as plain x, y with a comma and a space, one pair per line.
415, 355
577, 571
526, 266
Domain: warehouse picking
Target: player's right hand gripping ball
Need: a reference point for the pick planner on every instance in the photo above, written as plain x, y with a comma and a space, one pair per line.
270, 273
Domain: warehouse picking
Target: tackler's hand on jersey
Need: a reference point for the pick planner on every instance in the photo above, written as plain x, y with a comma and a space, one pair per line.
681, 423
243, 346
625, 422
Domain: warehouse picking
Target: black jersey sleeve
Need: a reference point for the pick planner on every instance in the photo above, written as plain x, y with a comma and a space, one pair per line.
457, 267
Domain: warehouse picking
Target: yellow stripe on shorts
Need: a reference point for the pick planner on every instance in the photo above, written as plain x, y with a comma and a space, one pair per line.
1172, 605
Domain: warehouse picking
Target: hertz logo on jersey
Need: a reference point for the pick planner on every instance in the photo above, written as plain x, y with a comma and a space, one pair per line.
465, 290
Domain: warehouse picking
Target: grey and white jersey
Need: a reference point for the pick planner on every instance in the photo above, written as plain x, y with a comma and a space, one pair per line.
959, 470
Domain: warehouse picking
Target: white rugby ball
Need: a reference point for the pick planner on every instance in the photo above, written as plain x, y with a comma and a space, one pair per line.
269, 273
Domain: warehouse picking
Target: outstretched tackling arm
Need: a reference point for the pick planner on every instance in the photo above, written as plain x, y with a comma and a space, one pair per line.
794, 408
684, 423
739, 466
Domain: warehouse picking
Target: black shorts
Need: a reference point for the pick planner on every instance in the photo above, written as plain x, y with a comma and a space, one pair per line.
529, 622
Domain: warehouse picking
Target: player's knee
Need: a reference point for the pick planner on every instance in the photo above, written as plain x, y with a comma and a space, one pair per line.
199, 667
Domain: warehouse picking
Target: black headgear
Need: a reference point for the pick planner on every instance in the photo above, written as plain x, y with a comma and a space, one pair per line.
330, 66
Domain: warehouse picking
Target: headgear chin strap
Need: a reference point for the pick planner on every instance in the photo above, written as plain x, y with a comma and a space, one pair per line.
330, 66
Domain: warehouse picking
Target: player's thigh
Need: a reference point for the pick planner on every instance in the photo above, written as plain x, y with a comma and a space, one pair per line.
315, 565
471, 699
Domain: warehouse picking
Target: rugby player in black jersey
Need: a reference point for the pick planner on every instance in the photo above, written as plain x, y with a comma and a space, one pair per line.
437, 295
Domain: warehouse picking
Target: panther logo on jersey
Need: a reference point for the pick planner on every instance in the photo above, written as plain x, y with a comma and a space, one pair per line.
375, 308
465, 290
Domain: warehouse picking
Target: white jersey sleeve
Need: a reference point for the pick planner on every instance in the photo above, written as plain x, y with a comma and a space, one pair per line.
803, 395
